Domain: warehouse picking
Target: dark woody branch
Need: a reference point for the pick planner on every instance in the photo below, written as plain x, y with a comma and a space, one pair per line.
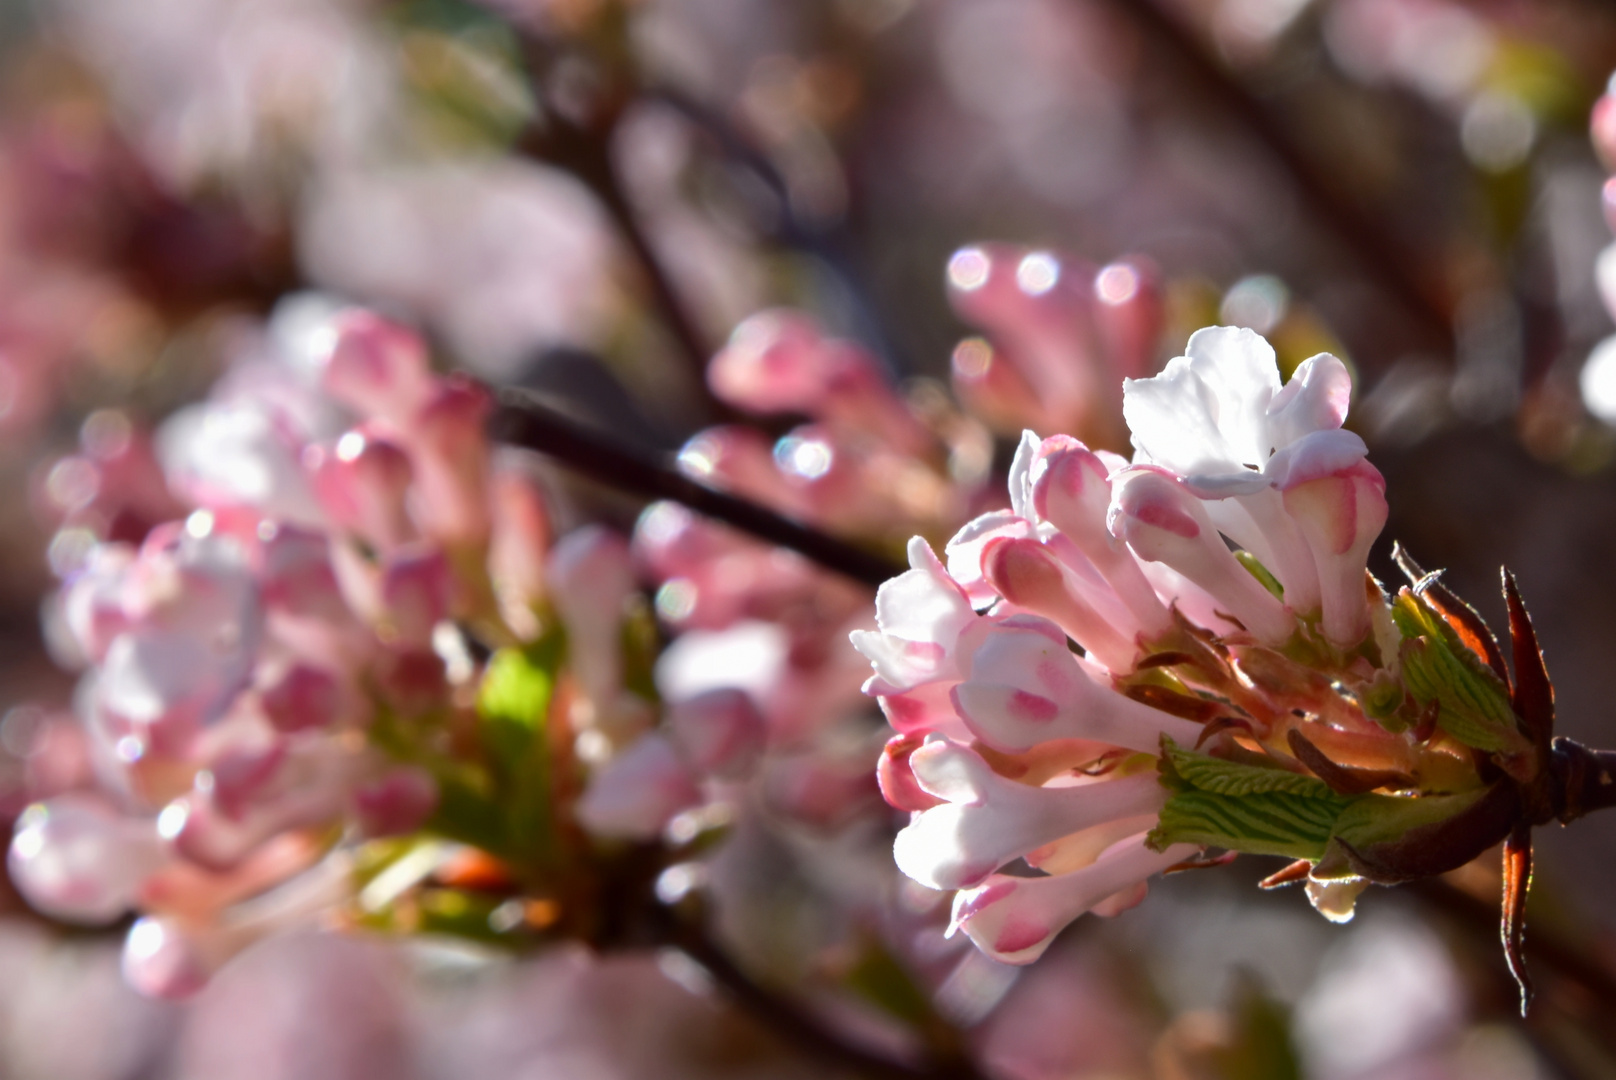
520, 419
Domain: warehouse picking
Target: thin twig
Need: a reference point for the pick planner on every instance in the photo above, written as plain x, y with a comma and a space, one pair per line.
785, 1018
520, 419
1355, 230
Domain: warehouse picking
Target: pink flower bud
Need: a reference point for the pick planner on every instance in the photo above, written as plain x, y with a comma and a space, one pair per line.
295, 574
992, 387
303, 698
638, 792
416, 592
75, 858
92, 601
920, 614
1162, 522
1028, 575
1014, 919
739, 460
773, 363
398, 803
1037, 307
1341, 515
376, 367
1602, 128
411, 681
1023, 686
1071, 489
451, 455
361, 483
521, 539
987, 820
165, 958
1129, 315
720, 733
896, 778
591, 579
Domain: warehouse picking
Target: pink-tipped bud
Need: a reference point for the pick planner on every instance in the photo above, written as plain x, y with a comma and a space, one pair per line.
303, 698
988, 820
1602, 128
720, 733
1341, 515
774, 362
591, 578
416, 594
638, 792
1023, 687
1164, 523
897, 779
1035, 304
361, 483
738, 460
376, 367
1030, 576
1129, 315
1071, 489
165, 958
398, 803
78, 860
1014, 919
411, 681
295, 574
451, 455
993, 388
521, 540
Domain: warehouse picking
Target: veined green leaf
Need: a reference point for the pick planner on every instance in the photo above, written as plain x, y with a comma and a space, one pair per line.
1474, 704
1270, 823
1222, 777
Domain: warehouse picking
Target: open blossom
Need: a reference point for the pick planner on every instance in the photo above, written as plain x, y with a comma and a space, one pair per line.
1035, 679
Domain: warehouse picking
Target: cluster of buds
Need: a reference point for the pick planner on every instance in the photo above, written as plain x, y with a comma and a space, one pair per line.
270, 678
1061, 336
1144, 659
866, 462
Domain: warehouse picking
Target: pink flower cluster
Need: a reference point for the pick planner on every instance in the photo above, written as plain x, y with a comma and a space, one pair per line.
347, 517
1006, 672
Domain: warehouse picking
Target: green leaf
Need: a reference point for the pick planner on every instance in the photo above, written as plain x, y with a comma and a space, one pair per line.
1260, 572
1473, 704
1222, 777
513, 705
1250, 808
1271, 823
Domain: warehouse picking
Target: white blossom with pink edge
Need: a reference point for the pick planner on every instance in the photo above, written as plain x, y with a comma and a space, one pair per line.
1219, 420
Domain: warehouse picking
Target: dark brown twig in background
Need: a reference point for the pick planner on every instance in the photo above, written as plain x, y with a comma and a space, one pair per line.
522, 420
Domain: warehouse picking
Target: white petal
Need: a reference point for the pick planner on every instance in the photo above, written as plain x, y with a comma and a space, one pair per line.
1315, 399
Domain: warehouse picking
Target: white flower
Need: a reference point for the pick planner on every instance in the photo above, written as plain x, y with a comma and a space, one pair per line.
1218, 417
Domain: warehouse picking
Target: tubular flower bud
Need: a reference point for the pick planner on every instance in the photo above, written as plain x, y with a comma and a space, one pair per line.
1071, 489
1163, 522
376, 367
77, 859
1028, 575
987, 820
1341, 514
1022, 687
1014, 919
362, 484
